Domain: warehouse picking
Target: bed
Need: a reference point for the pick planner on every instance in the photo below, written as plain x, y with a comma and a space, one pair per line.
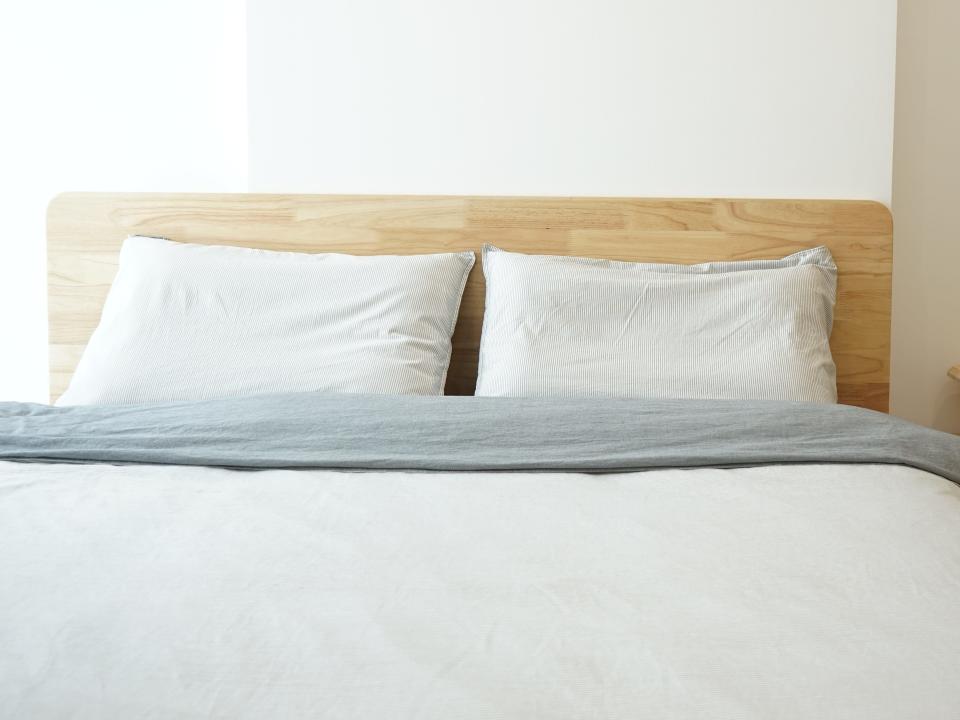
314, 555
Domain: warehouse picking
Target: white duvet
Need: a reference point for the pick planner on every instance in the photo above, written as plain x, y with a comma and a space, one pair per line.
778, 592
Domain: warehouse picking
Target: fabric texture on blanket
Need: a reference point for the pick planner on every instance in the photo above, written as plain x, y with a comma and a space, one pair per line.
313, 430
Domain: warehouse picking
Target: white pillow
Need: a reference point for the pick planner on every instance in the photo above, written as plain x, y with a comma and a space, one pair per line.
579, 327
189, 322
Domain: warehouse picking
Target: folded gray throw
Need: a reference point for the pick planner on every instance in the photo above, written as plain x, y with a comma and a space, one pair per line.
468, 433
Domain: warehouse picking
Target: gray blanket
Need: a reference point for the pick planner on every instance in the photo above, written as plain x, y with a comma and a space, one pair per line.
466, 433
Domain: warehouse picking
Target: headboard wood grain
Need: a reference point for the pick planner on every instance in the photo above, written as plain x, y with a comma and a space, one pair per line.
85, 230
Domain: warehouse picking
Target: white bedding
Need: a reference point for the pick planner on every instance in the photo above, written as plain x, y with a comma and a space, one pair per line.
819, 591
560, 326
192, 322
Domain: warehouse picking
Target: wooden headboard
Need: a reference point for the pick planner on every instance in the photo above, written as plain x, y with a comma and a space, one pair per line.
85, 230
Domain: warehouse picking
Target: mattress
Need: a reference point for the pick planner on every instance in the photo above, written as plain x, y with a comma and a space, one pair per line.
777, 590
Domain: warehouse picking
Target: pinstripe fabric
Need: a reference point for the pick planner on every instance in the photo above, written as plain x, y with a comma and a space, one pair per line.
185, 322
580, 327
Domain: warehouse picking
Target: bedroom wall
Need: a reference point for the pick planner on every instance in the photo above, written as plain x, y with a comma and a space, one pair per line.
607, 97
764, 98
926, 181
114, 95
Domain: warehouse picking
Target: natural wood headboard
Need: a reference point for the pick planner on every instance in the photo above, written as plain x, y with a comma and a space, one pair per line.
85, 230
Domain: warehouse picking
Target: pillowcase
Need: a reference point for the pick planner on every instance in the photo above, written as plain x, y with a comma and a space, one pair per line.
580, 327
189, 322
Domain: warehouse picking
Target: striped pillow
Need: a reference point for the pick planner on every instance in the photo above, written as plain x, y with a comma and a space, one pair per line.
190, 322
580, 327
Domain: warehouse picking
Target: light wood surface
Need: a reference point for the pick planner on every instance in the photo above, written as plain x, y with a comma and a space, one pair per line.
954, 372
85, 230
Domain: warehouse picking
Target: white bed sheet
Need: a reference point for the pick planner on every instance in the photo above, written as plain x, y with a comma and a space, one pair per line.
773, 592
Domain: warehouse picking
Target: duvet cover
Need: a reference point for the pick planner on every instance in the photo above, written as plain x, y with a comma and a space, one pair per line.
319, 556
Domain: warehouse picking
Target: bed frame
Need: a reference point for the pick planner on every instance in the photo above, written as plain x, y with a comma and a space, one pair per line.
85, 230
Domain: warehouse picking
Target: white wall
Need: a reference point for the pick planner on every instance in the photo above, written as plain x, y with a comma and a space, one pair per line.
106, 95
926, 292
593, 97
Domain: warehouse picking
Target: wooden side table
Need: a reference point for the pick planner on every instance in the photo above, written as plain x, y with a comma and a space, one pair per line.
954, 372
